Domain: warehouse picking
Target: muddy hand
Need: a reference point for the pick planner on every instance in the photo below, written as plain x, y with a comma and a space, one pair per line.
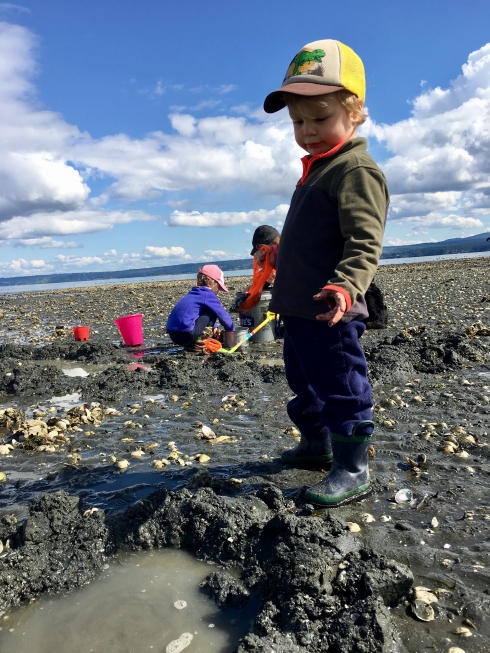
337, 312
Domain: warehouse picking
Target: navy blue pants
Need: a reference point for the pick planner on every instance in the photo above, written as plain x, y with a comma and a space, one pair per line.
186, 338
326, 369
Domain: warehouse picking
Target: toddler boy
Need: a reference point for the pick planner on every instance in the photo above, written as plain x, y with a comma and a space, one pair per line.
330, 246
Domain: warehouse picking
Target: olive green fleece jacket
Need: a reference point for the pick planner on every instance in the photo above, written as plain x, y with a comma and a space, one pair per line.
333, 233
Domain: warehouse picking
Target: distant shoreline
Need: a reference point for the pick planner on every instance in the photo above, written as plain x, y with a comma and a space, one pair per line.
426, 250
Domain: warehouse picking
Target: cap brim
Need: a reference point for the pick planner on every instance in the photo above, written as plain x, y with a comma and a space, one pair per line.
275, 100
253, 251
222, 286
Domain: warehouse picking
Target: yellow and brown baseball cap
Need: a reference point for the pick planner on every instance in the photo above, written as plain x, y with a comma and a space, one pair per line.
320, 67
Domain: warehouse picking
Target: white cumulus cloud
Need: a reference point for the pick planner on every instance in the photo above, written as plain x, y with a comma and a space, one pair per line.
166, 252
228, 218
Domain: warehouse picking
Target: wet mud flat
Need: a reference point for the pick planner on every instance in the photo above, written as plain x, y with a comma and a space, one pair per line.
185, 454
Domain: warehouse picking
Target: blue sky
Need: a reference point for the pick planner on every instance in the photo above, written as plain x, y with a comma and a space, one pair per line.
133, 133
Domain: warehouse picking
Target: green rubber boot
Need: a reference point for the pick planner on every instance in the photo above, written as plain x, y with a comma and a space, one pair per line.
348, 479
312, 453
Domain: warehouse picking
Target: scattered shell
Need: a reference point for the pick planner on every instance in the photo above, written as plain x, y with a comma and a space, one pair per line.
180, 605
421, 459
422, 610
385, 518
455, 649
208, 433
463, 454
178, 645
434, 522
404, 496
462, 631
468, 622
5, 449
174, 398
3, 477
425, 594
201, 458
367, 518
418, 399
468, 439
137, 454
353, 527
122, 464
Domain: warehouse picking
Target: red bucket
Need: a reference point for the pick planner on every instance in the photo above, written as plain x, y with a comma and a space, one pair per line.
81, 332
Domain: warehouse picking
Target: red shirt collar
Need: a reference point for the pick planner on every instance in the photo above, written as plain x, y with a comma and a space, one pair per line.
308, 161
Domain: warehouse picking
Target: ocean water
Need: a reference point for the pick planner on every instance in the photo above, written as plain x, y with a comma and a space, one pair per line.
37, 287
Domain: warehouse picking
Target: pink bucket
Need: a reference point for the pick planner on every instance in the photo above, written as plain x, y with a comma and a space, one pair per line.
131, 328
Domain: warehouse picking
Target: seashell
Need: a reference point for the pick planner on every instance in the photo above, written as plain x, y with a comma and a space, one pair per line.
470, 470
418, 399
5, 449
137, 454
171, 446
178, 645
458, 430
463, 454
468, 622
388, 423
411, 462
201, 458
404, 496
367, 518
455, 649
353, 527
468, 439
421, 459
448, 449
434, 522
208, 433
3, 477
157, 464
465, 382
422, 610
462, 631
385, 518
122, 464
173, 456
425, 594
174, 398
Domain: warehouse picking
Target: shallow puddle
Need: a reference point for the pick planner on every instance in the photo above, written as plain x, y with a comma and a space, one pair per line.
148, 601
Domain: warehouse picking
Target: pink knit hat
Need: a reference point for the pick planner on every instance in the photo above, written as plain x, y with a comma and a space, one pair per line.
215, 273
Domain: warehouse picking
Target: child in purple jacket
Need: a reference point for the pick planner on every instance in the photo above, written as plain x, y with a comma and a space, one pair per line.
199, 309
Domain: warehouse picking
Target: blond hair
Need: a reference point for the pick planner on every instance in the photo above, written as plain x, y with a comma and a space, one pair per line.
304, 105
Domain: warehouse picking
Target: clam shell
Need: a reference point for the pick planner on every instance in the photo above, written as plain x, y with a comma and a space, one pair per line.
404, 496
422, 610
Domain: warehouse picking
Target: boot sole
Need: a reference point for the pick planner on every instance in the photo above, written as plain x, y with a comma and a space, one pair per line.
307, 461
329, 502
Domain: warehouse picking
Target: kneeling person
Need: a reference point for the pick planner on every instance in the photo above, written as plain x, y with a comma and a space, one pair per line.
199, 309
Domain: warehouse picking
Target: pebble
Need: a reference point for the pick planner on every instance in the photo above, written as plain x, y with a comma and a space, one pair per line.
180, 605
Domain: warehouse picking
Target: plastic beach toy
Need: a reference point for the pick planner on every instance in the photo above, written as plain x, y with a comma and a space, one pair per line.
81, 332
270, 316
131, 328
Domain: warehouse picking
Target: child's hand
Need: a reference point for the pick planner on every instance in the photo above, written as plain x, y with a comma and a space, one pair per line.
260, 254
337, 312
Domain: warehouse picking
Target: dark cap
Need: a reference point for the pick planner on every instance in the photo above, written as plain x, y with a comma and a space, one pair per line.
263, 235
